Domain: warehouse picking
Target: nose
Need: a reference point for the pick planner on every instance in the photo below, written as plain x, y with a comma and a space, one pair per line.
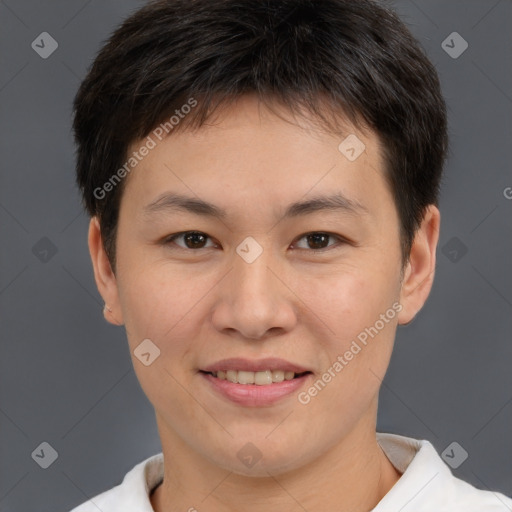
254, 300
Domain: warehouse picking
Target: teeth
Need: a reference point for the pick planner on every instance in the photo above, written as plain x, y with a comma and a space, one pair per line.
259, 378
262, 378
278, 376
246, 378
232, 376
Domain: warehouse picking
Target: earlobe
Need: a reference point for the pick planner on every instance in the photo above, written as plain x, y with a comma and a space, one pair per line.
420, 270
104, 276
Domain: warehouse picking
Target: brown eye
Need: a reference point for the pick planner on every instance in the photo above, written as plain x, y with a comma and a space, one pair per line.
192, 240
318, 240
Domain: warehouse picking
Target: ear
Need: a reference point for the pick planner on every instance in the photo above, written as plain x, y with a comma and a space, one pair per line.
104, 276
419, 272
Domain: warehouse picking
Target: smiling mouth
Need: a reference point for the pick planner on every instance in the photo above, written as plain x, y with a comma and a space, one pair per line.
264, 378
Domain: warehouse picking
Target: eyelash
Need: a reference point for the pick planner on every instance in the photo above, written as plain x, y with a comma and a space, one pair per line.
170, 239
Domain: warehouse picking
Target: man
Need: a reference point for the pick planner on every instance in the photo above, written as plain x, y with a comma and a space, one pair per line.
262, 180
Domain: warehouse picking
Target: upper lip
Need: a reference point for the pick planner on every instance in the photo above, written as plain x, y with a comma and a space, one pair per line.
259, 365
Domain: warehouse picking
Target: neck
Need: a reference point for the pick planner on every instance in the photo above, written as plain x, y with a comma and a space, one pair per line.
353, 476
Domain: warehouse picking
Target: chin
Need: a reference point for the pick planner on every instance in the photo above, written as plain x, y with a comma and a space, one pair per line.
267, 460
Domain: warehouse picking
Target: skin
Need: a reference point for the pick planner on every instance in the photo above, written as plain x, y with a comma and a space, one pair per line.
294, 302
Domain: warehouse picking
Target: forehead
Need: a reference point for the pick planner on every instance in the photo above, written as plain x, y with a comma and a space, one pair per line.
249, 153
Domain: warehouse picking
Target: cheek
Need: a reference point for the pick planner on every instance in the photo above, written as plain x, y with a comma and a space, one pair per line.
160, 306
158, 300
349, 306
348, 299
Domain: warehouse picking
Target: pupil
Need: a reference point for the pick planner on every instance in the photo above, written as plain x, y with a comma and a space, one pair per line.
317, 239
190, 238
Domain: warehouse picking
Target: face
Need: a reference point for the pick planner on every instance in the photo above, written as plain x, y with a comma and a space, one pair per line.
264, 277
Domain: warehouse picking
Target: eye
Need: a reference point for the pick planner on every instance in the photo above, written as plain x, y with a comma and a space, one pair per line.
192, 239
317, 240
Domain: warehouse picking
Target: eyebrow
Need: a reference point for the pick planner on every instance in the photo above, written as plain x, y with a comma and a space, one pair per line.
172, 202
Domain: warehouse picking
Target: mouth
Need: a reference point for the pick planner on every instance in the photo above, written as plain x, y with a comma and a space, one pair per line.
255, 383
259, 378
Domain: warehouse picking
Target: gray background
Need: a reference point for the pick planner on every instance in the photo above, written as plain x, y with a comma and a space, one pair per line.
66, 375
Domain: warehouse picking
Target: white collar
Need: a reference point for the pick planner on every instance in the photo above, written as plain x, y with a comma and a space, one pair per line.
426, 485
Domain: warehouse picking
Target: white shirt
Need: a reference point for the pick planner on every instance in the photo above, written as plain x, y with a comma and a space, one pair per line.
426, 485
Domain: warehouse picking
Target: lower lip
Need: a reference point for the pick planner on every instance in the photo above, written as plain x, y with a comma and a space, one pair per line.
251, 395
